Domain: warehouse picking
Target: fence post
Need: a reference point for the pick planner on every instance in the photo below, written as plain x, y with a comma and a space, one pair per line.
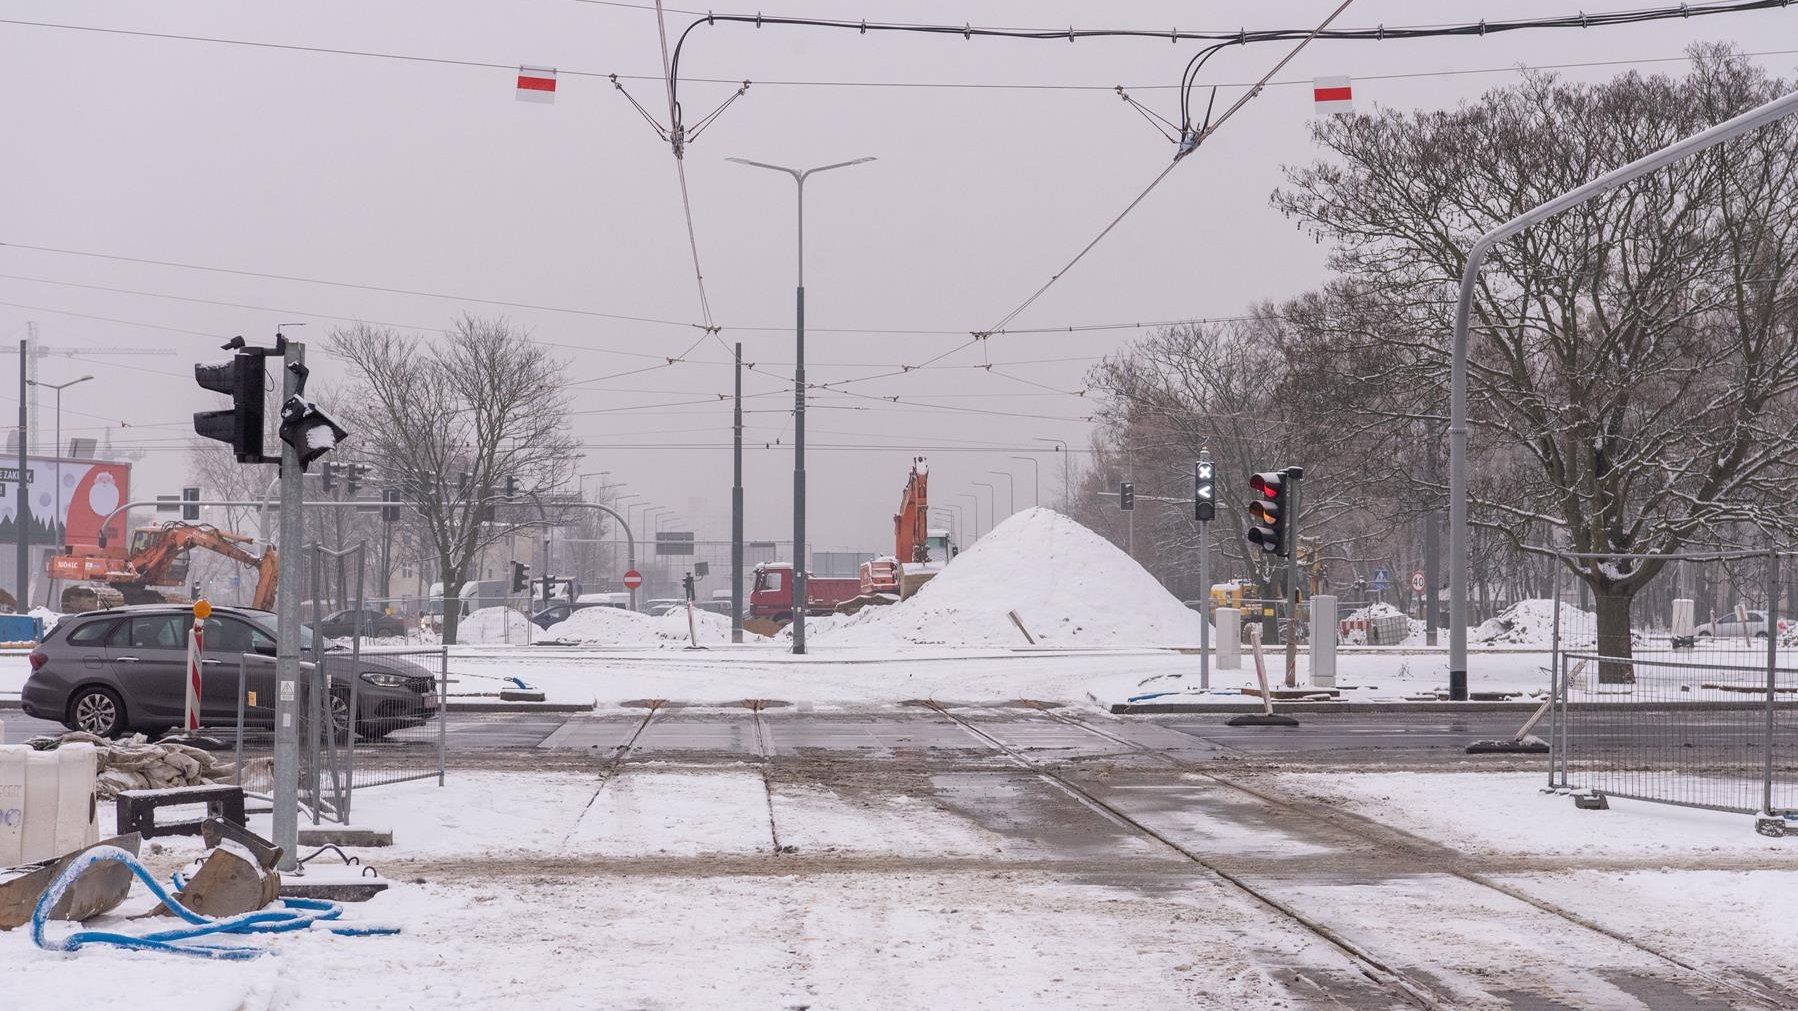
442, 710
1772, 674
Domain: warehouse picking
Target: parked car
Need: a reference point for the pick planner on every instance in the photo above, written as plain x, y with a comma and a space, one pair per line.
558, 612
657, 608
1731, 626
340, 624
124, 669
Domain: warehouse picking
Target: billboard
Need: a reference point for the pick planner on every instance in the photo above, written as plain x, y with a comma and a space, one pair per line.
90, 489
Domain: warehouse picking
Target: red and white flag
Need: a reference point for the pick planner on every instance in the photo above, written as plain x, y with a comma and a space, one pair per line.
536, 84
1334, 96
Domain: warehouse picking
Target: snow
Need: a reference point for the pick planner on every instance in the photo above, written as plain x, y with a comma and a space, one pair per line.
1532, 623
1068, 585
611, 626
495, 625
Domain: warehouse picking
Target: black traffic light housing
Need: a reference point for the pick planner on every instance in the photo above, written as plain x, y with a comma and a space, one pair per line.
354, 473
327, 475
1204, 491
1270, 512
390, 510
241, 378
511, 488
521, 577
310, 431
1127, 495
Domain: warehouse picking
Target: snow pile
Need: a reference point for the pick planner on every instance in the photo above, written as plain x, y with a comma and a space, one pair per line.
494, 625
1068, 585
49, 617
611, 626
1532, 623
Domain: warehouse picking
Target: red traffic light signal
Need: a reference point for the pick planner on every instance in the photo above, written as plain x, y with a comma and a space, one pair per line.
1268, 512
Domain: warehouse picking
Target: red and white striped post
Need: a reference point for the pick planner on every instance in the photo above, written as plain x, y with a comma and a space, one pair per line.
196, 648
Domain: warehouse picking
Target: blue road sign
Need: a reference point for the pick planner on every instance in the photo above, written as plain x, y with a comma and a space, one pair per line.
1382, 578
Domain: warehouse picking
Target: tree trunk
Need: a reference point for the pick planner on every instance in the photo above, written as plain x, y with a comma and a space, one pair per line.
452, 604
1614, 636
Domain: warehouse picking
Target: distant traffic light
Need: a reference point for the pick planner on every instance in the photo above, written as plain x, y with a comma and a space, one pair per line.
1204, 491
1126, 495
1269, 512
390, 512
190, 505
327, 475
354, 473
521, 577
511, 488
241, 378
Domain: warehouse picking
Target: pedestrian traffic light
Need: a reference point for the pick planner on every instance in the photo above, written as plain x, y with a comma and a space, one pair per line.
327, 475
1204, 491
240, 377
309, 430
1126, 495
390, 512
1268, 512
521, 577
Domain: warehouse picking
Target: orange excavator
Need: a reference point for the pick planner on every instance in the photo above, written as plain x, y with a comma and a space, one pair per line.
919, 552
158, 557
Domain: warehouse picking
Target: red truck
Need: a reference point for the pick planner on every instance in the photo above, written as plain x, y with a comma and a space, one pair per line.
772, 595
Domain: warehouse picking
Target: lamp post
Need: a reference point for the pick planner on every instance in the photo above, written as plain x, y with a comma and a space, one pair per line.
1036, 472
992, 504
976, 500
1011, 492
1061, 447
799, 560
56, 516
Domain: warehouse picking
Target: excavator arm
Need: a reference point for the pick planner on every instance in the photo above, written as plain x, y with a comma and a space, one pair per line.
151, 565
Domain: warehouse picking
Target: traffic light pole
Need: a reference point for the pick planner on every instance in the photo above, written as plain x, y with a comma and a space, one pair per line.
1204, 604
1294, 475
286, 814
736, 509
22, 516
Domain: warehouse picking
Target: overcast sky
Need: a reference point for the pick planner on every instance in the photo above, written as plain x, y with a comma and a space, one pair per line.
431, 177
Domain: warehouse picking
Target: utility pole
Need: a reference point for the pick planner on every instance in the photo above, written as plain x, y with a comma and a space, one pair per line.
22, 515
736, 508
286, 814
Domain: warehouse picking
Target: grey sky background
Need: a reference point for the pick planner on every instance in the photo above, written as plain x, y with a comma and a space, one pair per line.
434, 178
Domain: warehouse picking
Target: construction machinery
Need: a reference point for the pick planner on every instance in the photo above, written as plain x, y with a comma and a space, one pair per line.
158, 557
919, 551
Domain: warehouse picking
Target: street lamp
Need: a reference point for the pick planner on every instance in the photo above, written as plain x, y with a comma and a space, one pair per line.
976, 500
1061, 447
1036, 477
992, 504
799, 594
55, 517
1011, 491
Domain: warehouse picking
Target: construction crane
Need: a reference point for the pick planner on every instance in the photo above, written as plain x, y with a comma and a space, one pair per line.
36, 352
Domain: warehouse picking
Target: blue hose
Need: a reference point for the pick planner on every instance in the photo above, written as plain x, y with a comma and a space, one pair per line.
295, 914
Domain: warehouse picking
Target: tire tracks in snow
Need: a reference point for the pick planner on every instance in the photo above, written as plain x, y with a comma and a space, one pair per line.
617, 765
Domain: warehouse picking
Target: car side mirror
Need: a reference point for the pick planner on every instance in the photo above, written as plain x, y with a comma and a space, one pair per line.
265, 648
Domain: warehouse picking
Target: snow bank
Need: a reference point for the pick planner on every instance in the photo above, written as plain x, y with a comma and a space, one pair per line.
1532, 622
1069, 586
611, 626
494, 625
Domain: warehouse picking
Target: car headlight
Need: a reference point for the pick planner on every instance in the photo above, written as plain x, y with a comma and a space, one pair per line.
384, 679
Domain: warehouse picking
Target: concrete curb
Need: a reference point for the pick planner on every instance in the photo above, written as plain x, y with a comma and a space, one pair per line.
518, 707
1289, 708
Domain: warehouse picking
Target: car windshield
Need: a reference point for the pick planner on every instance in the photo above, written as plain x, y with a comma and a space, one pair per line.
266, 622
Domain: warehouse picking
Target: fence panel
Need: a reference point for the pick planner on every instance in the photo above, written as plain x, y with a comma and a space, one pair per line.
1687, 705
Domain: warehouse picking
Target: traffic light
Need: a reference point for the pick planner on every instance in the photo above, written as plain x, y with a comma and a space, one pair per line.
240, 377
354, 473
521, 577
511, 487
309, 430
390, 512
1204, 491
1127, 495
190, 505
327, 475
1268, 512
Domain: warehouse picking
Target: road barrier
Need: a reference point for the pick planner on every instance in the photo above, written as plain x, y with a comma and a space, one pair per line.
1647, 711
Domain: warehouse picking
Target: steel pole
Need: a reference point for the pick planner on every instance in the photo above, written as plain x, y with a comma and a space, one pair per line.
799, 553
736, 510
1011, 490
1759, 116
21, 517
1205, 604
1036, 478
286, 814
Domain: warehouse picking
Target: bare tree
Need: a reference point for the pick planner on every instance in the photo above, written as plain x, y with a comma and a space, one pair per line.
483, 401
1633, 360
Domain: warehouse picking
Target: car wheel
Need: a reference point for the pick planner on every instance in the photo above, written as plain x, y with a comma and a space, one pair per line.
98, 711
1703, 632
1760, 635
340, 716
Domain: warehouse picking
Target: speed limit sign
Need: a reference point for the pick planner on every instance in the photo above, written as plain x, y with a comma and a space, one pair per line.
1418, 583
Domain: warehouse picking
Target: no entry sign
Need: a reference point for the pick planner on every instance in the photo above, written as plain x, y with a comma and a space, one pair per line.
633, 579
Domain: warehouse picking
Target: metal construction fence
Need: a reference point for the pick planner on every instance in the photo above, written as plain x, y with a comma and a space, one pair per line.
1657, 700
